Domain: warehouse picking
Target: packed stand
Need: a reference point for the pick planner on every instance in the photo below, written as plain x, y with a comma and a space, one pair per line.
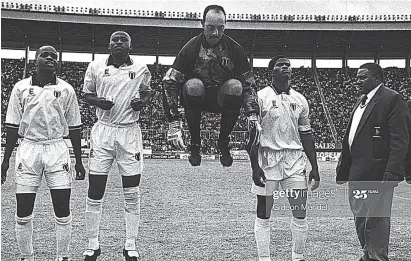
339, 91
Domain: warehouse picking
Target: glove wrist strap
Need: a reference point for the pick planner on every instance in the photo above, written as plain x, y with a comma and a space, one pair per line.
175, 125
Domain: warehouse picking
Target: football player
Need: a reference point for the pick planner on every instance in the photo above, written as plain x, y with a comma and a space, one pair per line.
210, 73
279, 158
119, 88
43, 109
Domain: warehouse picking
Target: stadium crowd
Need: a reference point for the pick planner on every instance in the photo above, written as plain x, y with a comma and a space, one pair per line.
339, 91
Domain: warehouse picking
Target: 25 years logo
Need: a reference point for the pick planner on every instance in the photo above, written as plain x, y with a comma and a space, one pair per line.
360, 194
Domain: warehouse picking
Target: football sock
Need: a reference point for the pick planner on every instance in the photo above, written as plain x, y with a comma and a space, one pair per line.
63, 235
192, 108
262, 237
299, 231
132, 216
24, 235
231, 110
93, 216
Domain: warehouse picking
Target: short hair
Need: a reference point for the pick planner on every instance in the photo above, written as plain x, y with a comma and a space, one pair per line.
212, 7
45, 48
375, 69
121, 32
274, 60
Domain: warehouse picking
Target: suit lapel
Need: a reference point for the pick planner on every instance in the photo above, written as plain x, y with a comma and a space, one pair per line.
368, 111
347, 131
352, 112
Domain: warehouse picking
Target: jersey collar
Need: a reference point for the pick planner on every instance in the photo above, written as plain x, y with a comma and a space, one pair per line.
277, 92
205, 44
35, 82
110, 61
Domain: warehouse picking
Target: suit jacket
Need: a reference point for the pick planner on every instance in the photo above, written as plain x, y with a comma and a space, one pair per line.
369, 158
407, 166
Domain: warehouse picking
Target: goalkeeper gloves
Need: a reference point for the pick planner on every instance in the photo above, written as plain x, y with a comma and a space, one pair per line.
175, 135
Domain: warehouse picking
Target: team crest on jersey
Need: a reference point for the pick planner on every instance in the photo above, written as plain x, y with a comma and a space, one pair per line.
20, 166
57, 94
293, 106
106, 72
226, 62
275, 104
132, 74
66, 167
31, 92
137, 156
91, 155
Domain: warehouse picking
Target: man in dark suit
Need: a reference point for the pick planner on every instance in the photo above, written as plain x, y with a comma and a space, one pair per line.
372, 159
407, 169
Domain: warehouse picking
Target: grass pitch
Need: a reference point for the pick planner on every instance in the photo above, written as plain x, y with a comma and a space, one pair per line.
205, 213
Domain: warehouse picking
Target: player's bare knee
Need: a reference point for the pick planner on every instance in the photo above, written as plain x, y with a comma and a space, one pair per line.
131, 181
61, 201
132, 200
193, 87
232, 87
298, 203
25, 204
264, 206
97, 186
24, 220
62, 211
299, 214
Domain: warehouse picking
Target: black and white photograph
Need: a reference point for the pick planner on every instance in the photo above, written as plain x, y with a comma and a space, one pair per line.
252, 130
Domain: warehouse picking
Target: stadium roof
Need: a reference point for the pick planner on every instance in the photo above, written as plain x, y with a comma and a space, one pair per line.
153, 36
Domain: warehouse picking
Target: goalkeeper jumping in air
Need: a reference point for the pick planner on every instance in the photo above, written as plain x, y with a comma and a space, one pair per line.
210, 73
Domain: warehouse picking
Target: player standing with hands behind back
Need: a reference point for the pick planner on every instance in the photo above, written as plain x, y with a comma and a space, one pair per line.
279, 159
43, 109
119, 88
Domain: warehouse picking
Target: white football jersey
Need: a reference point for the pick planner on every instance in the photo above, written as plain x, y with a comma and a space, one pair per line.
119, 85
43, 113
283, 116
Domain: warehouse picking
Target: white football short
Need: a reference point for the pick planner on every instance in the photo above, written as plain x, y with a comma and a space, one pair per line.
49, 157
121, 142
296, 181
285, 168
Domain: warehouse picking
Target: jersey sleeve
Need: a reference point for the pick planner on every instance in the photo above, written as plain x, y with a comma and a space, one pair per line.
145, 83
89, 80
179, 71
304, 126
243, 71
72, 111
175, 78
14, 109
184, 62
